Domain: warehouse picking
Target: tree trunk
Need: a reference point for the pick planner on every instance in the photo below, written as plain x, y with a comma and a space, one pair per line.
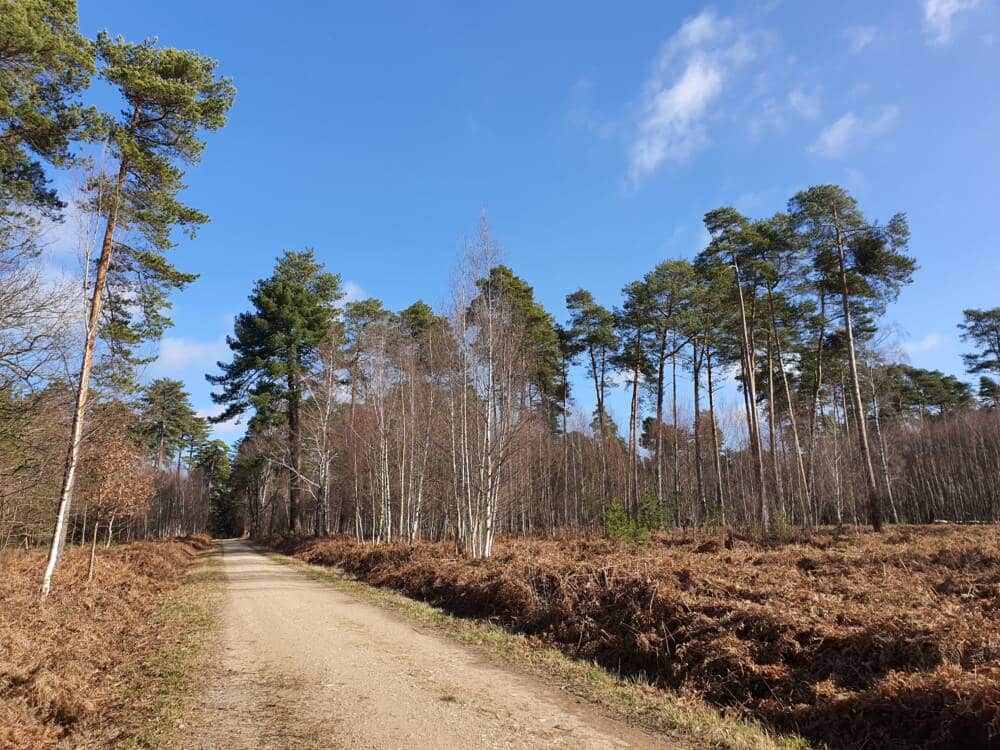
716, 452
294, 448
696, 378
676, 446
93, 552
83, 384
750, 383
633, 442
800, 464
874, 495
658, 435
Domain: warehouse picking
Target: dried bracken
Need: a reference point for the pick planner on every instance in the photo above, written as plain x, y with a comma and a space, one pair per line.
65, 663
868, 640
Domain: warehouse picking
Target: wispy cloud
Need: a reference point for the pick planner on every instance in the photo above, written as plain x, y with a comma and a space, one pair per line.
805, 105
353, 292
938, 17
581, 111
860, 38
929, 343
180, 355
851, 130
687, 80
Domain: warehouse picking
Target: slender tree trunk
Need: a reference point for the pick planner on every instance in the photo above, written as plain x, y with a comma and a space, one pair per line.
599, 392
676, 446
815, 406
633, 442
660, 373
294, 447
716, 451
874, 495
771, 424
93, 552
883, 453
799, 461
83, 384
696, 378
750, 382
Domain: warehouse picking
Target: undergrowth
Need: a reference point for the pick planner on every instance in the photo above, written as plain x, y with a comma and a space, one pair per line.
71, 667
849, 639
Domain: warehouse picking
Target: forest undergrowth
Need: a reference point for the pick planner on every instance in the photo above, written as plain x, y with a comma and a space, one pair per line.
849, 639
74, 669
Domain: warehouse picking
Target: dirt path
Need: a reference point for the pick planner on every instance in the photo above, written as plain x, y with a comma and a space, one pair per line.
304, 665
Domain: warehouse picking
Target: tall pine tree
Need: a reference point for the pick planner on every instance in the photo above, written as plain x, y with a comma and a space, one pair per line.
171, 96
273, 346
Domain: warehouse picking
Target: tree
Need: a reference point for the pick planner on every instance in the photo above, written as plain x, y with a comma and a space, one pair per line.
870, 266
924, 393
667, 291
633, 325
989, 392
44, 65
165, 417
981, 328
541, 338
273, 346
214, 466
733, 243
171, 96
591, 331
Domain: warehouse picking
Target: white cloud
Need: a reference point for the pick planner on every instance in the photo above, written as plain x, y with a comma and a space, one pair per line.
938, 16
860, 37
353, 292
851, 130
178, 355
929, 343
806, 105
688, 78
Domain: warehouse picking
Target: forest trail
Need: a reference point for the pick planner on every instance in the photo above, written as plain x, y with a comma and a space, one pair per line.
304, 665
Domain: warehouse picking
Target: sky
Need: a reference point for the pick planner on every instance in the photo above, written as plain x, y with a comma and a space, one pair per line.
595, 136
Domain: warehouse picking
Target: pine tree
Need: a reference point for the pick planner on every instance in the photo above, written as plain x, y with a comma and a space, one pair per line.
733, 243
165, 417
273, 346
591, 331
44, 65
982, 329
540, 344
634, 329
171, 96
667, 292
869, 264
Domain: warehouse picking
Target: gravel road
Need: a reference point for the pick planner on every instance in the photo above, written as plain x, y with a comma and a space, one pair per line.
301, 664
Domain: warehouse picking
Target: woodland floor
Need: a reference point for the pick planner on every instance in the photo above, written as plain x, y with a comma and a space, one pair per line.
302, 664
849, 639
100, 663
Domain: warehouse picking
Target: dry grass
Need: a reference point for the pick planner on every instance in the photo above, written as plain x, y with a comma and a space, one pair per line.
864, 640
69, 665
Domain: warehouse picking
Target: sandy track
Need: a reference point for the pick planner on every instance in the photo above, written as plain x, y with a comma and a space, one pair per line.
304, 665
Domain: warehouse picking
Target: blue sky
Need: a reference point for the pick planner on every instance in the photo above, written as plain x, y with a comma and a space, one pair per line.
596, 135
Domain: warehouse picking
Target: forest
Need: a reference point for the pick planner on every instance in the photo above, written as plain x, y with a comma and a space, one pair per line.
461, 421
470, 452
